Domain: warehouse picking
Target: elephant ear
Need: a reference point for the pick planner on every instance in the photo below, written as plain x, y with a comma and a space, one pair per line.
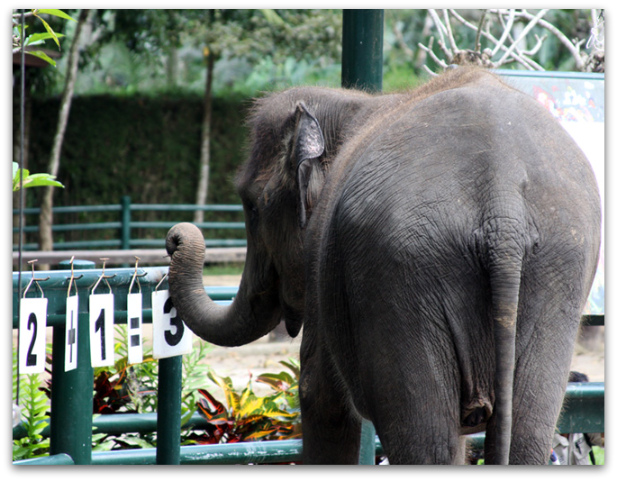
308, 145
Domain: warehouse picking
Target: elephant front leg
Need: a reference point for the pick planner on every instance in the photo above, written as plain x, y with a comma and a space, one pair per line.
330, 428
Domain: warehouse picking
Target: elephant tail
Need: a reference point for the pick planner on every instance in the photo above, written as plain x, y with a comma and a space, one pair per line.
505, 250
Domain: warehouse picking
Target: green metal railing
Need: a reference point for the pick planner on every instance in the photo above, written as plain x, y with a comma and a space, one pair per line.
126, 225
72, 422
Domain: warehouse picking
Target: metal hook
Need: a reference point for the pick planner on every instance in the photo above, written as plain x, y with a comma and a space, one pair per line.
160, 282
136, 277
103, 276
72, 279
35, 280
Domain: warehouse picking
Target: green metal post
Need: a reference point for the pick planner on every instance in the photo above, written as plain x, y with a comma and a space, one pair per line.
169, 411
362, 60
126, 223
367, 444
363, 69
71, 392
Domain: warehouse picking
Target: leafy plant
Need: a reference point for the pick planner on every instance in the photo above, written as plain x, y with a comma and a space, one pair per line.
32, 180
37, 39
32, 413
248, 417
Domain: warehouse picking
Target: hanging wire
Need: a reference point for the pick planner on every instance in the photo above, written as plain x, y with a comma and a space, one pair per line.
22, 127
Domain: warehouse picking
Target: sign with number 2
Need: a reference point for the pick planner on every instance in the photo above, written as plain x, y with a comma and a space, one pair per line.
32, 327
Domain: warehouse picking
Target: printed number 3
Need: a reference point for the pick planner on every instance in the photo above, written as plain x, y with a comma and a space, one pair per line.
173, 339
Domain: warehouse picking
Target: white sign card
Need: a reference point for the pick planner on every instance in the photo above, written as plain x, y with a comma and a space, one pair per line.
70, 345
102, 329
170, 336
32, 330
134, 333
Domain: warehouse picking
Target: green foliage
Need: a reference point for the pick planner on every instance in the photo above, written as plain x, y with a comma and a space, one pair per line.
37, 39
34, 406
23, 178
247, 417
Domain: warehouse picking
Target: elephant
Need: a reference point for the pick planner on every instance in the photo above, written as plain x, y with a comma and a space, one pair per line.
435, 246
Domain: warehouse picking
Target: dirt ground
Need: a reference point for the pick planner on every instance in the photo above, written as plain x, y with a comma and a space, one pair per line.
264, 354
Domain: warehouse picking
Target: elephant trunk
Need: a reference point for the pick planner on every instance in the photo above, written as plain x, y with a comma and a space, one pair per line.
254, 312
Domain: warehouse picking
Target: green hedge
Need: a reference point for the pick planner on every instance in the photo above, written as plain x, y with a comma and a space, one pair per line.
145, 147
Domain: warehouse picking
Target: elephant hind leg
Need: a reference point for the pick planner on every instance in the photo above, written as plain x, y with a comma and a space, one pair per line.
331, 428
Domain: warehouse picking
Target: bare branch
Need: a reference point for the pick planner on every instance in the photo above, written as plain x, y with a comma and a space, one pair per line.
479, 32
574, 49
536, 48
430, 72
449, 32
527, 63
441, 29
429, 50
506, 30
523, 34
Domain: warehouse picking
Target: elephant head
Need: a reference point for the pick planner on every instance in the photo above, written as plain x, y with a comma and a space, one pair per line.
294, 136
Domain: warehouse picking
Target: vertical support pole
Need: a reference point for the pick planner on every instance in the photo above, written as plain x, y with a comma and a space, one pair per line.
125, 231
362, 60
362, 68
367, 444
169, 411
71, 392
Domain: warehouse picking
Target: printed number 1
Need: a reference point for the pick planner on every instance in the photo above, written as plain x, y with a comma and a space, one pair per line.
99, 325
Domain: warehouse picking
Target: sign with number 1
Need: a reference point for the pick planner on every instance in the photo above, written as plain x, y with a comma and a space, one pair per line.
102, 329
32, 327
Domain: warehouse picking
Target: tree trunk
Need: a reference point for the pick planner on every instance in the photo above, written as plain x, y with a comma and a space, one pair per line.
204, 172
45, 219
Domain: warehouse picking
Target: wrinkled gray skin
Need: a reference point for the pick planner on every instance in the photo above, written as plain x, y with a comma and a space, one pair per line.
437, 246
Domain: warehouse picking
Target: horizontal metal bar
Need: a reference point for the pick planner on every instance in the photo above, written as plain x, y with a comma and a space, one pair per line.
76, 209
209, 243
187, 207
551, 74
226, 254
62, 459
265, 452
73, 209
133, 225
201, 225
74, 245
87, 244
56, 287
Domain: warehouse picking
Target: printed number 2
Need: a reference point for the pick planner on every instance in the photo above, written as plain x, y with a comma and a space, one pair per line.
32, 325
173, 339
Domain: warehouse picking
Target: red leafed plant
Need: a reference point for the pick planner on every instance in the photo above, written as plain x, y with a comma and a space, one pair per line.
248, 417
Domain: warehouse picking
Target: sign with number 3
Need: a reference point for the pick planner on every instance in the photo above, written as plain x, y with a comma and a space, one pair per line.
170, 337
